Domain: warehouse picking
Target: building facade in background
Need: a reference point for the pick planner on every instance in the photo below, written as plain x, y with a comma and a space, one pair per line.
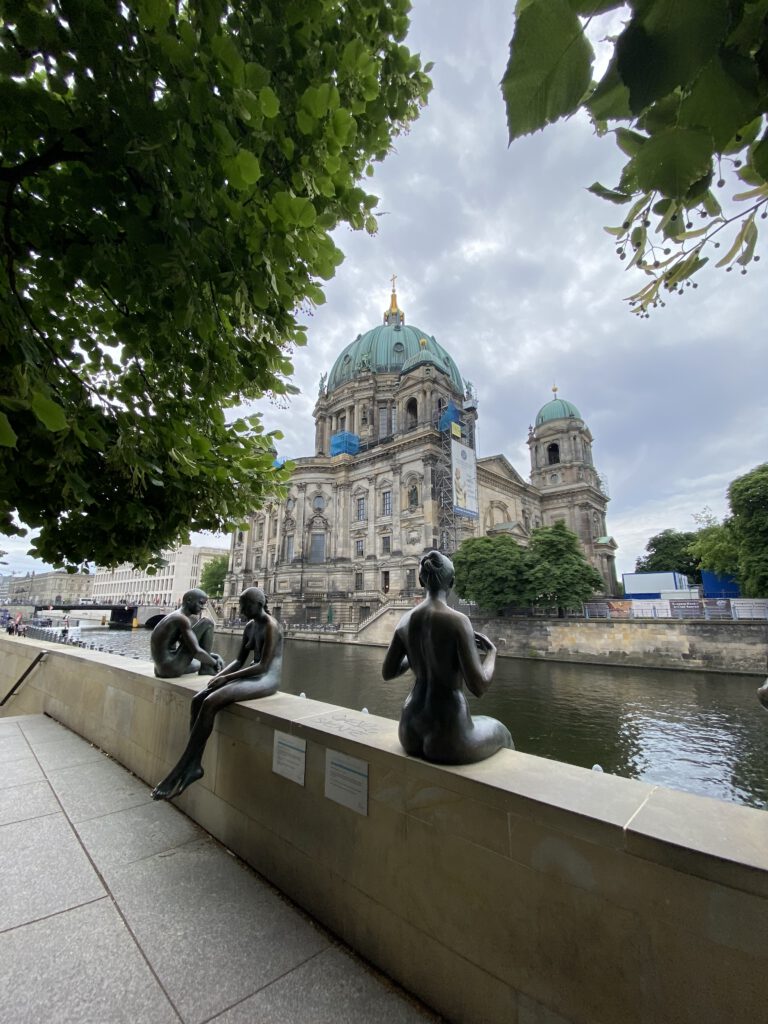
50, 588
126, 585
395, 473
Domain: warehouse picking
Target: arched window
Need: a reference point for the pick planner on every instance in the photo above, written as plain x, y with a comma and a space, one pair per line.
318, 503
553, 454
398, 353
411, 414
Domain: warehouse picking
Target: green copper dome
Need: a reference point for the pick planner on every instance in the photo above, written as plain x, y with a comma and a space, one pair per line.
557, 409
393, 347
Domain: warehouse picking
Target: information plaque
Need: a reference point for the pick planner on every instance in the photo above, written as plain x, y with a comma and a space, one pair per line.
346, 781
289, 757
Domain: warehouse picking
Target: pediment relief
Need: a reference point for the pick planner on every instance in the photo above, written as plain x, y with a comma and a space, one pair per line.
499, 465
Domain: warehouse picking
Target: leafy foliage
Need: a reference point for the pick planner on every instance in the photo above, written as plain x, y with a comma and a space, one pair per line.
560, 574
748, 498
670, 551
496, 572
715, 548
685, 96
492, 572
169, 176
212, 576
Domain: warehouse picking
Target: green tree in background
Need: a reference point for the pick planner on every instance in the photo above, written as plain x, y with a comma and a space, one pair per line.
670, 551
748, 499
558, 573
169, 176
685, 96
492, 572
212, 576
716, 548
496, 572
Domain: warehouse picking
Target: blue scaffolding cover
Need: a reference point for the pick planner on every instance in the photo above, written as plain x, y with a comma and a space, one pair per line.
345, 443
451, 415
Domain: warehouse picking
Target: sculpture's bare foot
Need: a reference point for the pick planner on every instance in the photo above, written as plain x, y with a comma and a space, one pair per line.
166, 789
175, 784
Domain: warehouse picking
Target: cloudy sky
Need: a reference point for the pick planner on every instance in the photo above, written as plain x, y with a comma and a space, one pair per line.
500, 254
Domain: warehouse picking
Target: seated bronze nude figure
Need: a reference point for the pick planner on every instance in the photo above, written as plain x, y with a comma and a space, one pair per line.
440, 646
237, 681
178, 645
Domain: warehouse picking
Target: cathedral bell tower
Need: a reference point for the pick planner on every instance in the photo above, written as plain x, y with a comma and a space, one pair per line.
571, 489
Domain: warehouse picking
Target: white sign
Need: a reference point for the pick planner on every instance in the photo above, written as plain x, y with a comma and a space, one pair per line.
346, 781
464, 479
289, 757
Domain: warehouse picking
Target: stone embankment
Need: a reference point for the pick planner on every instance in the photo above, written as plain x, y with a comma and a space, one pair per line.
731, 647
739, 647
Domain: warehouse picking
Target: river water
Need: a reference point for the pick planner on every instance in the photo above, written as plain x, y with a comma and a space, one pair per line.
695, 731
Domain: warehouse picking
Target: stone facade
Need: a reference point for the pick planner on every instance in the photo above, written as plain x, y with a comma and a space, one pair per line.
377, 493
49, 588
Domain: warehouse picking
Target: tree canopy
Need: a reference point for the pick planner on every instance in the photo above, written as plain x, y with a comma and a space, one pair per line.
495, 572
212, 576
748, 499
670, 551
685, 96
560, 574
169, 176
492, 572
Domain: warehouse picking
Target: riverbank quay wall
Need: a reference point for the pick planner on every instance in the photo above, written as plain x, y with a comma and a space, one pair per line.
518, 890
729, 647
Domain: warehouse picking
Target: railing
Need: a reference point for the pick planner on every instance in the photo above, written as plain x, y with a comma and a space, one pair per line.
705, 609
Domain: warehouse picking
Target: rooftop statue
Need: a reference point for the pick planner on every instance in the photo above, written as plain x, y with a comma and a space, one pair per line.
440, 646
178, 645
235, 682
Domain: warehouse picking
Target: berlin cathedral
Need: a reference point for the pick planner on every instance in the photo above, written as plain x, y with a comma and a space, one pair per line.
395, 473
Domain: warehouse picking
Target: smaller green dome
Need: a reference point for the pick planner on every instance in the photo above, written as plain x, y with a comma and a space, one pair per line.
557, 409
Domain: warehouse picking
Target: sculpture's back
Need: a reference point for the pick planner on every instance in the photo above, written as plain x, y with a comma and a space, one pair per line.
440, 646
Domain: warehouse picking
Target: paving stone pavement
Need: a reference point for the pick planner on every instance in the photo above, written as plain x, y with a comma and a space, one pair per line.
115, 908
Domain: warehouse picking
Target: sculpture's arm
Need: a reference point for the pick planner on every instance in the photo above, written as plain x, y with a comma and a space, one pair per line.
189, 640
396, 660
238, 668
477, 674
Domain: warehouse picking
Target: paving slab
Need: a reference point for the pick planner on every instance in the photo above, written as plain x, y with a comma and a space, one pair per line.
212, 934
95, 788
116, 908
13, 745
328, 989
20, 771
79, 967
66, 752
32, 800
44, 870
117, 839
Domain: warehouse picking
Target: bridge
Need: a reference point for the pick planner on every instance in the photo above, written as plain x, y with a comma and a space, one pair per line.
121, 616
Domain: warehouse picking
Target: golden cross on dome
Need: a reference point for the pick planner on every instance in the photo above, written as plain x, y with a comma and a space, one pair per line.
394, 278
554, 390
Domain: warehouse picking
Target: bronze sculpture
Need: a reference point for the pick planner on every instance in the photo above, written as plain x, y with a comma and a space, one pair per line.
236, 682
440, 646
179, 646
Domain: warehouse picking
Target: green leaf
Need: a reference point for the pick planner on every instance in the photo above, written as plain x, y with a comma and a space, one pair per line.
248, 166
672, 161
609, 101
610, 194
629, 142
549, 69
7, 434
718, 101
759, 158
270, 104
50, 413
665, 45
